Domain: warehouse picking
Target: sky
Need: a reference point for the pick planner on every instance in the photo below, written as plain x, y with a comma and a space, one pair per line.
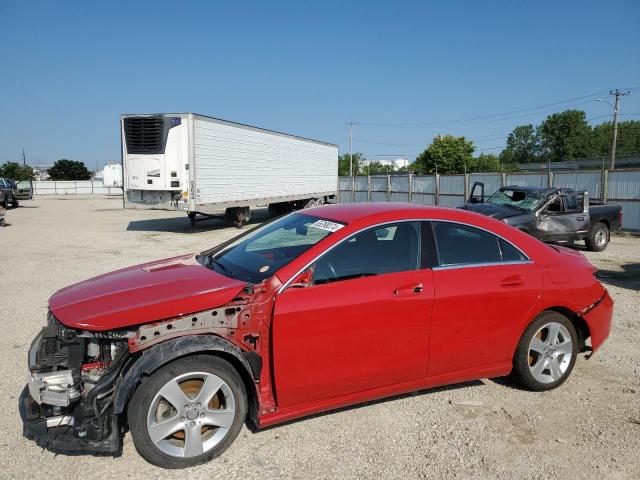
405, 71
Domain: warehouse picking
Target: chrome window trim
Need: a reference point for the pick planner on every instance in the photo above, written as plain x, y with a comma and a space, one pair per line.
484, 264
440, 267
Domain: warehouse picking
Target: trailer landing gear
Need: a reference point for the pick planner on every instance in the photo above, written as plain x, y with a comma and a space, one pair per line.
238, 215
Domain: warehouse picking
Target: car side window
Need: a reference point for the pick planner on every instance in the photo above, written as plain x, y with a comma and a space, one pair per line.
510, 253
571, 203
460, 244
390, 248
555, 206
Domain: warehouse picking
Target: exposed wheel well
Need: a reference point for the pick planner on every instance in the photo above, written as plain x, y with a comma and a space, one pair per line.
249, 384
582, 329
605, 222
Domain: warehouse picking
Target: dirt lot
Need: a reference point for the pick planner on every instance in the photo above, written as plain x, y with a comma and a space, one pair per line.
588, 428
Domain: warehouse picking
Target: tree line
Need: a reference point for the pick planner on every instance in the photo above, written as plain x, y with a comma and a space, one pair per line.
63, 169
560, 137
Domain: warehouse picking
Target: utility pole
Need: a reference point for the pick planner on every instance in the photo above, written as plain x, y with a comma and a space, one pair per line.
617, 93
351, 125
24, 159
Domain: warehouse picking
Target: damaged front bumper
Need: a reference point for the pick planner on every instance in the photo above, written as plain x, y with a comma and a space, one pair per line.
59, 433
67, 404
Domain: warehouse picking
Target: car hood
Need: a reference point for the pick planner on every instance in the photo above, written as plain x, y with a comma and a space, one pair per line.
499, 212
143, 293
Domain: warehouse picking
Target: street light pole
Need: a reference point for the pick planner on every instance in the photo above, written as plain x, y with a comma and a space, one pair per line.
616, 108
351, 124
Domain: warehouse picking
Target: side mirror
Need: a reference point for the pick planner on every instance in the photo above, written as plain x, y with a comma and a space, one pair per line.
303, 279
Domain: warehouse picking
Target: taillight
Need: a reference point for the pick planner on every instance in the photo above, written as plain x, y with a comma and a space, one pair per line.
620, 217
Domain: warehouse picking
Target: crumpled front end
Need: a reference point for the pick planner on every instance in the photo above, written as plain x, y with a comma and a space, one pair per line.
67, 405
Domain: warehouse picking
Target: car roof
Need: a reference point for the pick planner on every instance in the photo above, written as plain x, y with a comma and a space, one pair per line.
351, 212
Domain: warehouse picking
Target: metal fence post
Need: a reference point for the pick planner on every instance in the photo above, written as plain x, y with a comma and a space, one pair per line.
549, 179
368, 188
503, 179
388, 187
436, 180
353, 188
465, 187
605, 186
410, 180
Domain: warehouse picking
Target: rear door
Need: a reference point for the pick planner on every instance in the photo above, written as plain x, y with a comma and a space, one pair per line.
484, 289
363, 323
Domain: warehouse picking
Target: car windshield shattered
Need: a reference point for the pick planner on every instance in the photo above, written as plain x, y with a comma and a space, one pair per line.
260, 253
527, 200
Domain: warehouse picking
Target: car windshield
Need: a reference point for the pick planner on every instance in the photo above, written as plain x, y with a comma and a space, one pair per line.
527, 200
260, 253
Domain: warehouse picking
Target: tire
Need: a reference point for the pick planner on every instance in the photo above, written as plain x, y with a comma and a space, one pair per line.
5, 202
598, 237
542, 364
15, 203
189, 375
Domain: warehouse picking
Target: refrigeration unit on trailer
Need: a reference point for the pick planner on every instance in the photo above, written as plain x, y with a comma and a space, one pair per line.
208, 166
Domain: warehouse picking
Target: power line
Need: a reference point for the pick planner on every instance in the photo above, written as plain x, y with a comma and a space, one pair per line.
488, 116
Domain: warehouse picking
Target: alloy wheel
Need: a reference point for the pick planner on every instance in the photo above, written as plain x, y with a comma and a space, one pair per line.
550, 352
191, 414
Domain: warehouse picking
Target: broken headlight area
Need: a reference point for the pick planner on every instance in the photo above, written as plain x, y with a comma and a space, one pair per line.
67, 403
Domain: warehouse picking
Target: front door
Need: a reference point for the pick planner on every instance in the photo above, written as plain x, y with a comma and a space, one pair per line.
564, 219
362, 323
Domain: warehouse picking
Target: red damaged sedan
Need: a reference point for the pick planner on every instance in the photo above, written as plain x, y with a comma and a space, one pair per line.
313, 311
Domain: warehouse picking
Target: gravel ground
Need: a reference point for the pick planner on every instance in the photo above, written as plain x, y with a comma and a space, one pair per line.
588, 428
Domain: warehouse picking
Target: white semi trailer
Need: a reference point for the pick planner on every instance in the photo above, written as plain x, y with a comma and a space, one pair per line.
208, 166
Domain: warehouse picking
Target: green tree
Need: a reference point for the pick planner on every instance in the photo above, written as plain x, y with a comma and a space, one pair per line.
343, 163
628, 142
69, 170
565, 136
522, 146
446, 154
487, 162
376, 167
17, 172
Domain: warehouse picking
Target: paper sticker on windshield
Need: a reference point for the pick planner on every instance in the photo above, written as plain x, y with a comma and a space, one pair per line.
327, 225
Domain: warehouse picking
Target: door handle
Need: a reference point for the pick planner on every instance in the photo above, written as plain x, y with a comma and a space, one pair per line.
512, 281
580, 219
407, 289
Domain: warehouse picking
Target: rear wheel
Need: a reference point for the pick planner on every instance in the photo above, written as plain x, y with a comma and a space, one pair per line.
187, 412
598, 237
546, 352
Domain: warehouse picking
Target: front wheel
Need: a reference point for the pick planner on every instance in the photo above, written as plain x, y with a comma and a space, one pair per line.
546, 352
598, 238
187, 412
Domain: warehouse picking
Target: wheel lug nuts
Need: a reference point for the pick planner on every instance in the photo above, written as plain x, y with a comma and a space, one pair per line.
182, 418
202, 415
193, 424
